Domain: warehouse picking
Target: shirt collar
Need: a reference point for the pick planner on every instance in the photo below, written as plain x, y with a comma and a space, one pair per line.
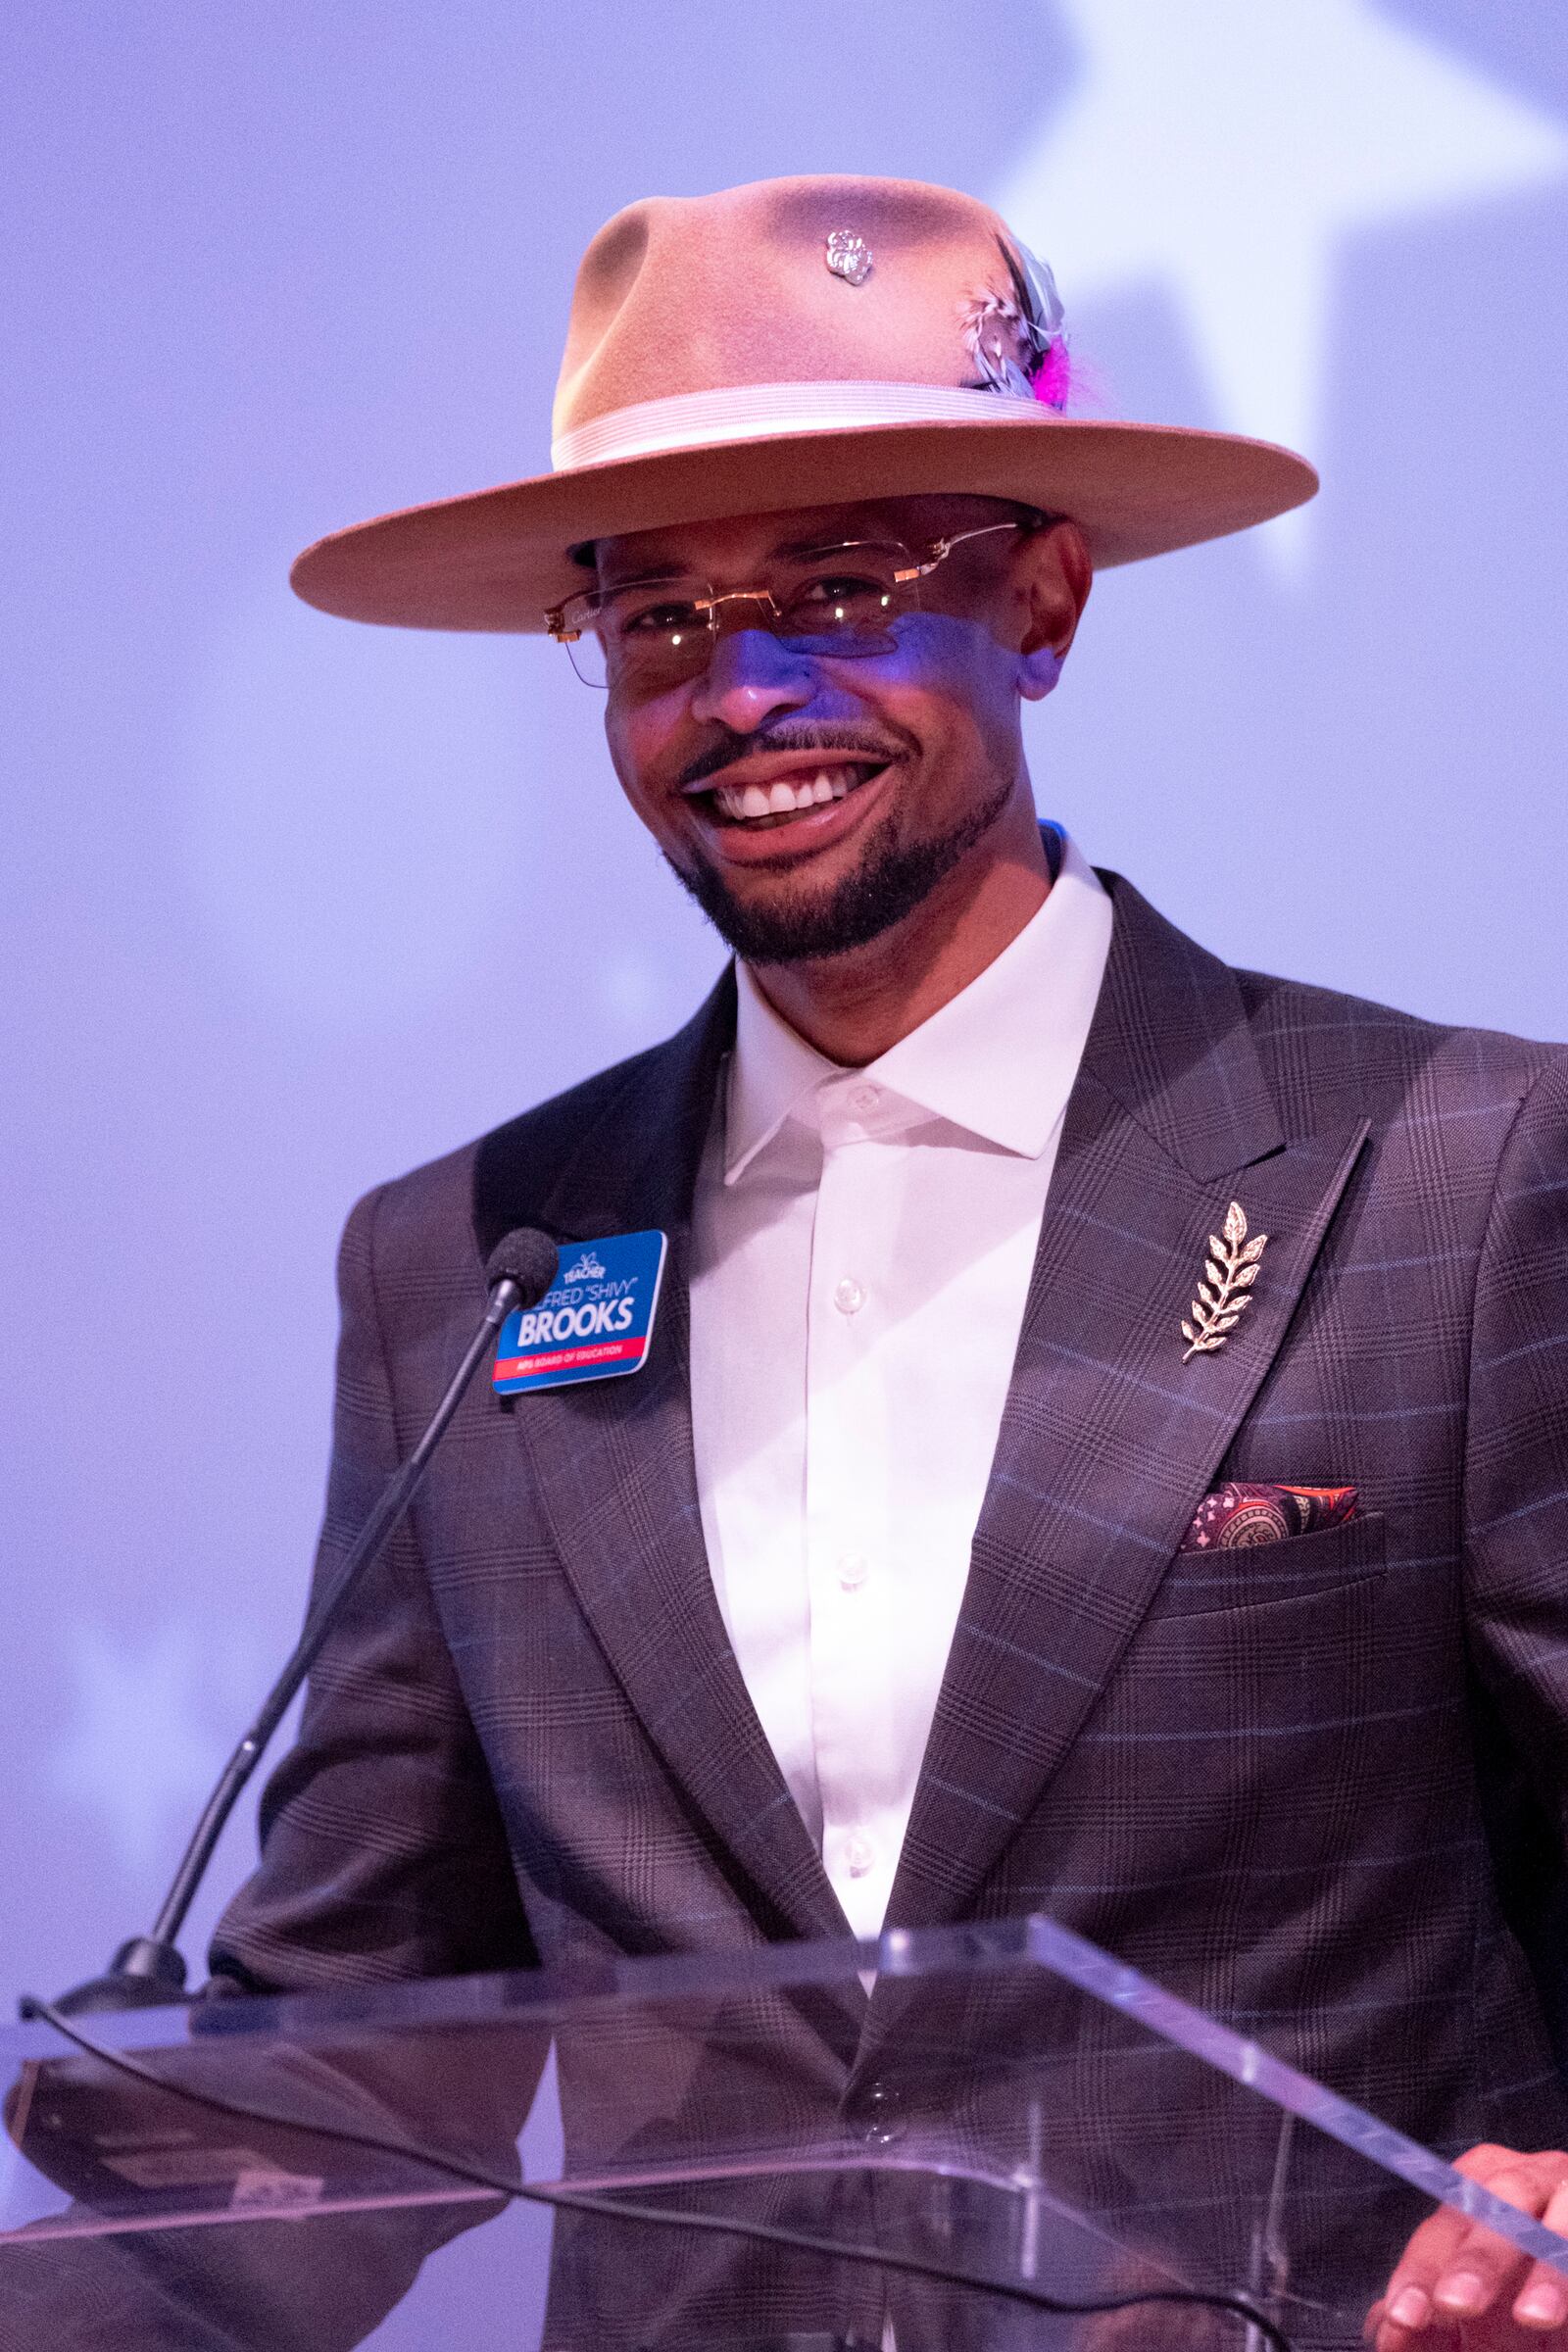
986, 1061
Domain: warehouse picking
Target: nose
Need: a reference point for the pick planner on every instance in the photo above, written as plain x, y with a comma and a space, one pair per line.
751, 676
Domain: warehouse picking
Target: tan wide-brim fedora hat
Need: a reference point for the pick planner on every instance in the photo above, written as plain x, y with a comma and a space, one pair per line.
797, 343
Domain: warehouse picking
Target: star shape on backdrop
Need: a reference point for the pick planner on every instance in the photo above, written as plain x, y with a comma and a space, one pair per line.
139, 1751
1224, 151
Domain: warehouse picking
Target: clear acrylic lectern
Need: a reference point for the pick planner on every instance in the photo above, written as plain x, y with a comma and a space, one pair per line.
988, 2137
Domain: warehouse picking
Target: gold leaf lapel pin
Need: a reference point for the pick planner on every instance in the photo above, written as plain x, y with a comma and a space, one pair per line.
1229, 1273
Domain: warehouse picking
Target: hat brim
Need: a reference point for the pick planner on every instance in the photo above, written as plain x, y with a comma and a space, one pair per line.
500, 559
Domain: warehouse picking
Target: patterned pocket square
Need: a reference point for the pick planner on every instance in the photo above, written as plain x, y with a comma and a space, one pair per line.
1237, 1514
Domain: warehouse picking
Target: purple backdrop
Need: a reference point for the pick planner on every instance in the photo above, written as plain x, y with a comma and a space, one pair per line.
293, 906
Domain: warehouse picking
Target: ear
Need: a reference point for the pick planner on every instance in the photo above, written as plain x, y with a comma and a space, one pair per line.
1038, 673
1056, 578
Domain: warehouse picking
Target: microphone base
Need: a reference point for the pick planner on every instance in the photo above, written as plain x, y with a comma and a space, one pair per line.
143, 1975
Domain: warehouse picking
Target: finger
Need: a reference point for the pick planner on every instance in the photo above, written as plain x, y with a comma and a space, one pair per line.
1434, 2334
1483, 2268
1405, 2305
1441, 2250
1421, 2329
1416, 2325
1542, 2303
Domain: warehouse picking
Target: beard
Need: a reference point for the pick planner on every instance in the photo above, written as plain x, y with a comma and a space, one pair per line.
802, 927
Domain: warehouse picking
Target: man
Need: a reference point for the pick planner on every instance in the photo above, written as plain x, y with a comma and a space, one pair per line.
1027, 1268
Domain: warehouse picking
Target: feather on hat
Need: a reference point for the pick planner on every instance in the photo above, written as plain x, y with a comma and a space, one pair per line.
797, 343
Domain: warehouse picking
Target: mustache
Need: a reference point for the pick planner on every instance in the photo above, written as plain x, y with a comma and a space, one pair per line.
849, 741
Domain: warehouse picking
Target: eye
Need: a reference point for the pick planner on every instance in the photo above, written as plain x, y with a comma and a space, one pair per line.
665, 618
840, 588
832, 598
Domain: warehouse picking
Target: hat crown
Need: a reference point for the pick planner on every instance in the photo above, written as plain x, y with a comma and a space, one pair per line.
797, 343
679, 296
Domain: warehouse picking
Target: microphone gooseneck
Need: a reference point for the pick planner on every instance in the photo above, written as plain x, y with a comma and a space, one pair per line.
149, 1970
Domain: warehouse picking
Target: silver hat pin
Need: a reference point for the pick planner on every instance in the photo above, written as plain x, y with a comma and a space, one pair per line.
848, 256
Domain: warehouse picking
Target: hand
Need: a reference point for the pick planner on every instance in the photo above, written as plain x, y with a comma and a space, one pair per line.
1459, 2288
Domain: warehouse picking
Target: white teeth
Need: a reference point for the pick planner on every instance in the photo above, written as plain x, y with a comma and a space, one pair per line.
782, 799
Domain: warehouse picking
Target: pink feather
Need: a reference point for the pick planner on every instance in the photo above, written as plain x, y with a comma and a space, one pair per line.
1052, 379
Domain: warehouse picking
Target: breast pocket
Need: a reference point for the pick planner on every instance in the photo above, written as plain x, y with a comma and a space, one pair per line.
1293, 1569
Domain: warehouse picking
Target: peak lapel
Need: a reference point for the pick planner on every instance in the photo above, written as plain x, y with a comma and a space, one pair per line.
1108, 1438
612, 1462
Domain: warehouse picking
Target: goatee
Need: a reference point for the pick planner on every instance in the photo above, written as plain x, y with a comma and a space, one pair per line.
894, 879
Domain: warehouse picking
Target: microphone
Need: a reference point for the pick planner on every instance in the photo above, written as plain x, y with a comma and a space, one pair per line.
149, 1970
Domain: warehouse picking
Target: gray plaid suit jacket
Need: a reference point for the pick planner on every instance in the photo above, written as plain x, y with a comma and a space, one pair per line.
1317, 1786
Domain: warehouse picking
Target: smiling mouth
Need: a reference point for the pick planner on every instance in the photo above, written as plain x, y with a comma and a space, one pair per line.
787, 799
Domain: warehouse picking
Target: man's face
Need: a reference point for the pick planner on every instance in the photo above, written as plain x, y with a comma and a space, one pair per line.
905, 763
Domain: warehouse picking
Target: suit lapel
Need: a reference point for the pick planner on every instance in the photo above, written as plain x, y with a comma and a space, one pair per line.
1108, 1438
613, 1461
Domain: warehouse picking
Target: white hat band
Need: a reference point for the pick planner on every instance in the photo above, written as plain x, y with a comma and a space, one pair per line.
757, 412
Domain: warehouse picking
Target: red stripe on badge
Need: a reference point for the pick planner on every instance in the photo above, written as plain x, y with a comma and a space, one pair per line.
566, 1359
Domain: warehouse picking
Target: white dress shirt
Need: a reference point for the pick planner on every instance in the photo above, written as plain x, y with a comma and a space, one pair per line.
863, 1243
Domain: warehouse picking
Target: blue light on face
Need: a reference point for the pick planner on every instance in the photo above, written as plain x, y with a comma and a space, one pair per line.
293, 905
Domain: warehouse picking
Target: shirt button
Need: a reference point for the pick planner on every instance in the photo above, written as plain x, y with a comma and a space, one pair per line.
848, 1297
864, 1097
857, 1855
851, 1572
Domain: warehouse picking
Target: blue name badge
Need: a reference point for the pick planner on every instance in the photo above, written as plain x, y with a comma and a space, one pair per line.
594, 1321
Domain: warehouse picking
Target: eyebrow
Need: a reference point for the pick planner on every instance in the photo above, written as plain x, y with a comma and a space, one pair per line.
652, 572
812, 544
